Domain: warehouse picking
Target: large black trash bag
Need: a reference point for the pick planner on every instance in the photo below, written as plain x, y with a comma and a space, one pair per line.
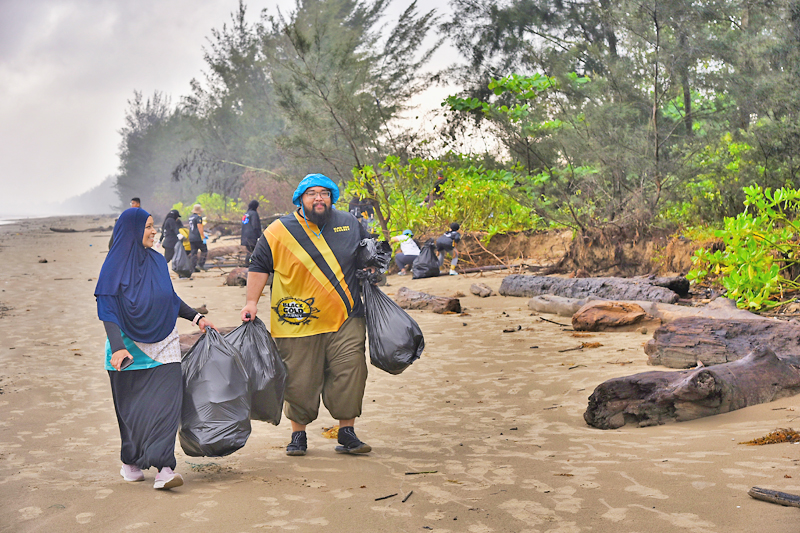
265, 368
395, 339
215, 418
373, 253
426, 265
180, 261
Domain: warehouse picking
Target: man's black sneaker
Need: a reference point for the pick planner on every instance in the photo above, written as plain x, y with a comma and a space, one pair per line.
349, 443
298, 445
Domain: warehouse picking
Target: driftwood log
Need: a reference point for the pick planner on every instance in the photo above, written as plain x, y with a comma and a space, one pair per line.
686, 342
601, 315
70, 230
774, 496
408, 299
652, 398
237, 277
221, 251
606, 288
718, 308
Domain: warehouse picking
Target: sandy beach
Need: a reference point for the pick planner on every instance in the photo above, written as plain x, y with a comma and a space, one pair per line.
485, 433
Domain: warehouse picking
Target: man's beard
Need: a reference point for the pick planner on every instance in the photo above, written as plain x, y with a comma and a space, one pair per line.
320, 219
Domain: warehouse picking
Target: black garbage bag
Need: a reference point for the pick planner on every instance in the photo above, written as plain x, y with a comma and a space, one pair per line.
395, 339
265, 369
426, 265
181, 262
215, 418
373, 253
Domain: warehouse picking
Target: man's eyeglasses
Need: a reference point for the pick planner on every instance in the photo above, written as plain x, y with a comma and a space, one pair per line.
322, 194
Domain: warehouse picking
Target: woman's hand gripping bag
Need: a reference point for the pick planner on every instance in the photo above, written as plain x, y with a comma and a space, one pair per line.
265, 369
215, 417
395, 339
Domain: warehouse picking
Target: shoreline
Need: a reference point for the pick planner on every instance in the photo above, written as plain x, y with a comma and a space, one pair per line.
484, 431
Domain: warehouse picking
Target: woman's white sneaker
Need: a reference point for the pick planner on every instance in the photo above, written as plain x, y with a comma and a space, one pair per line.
167, 479
131, 473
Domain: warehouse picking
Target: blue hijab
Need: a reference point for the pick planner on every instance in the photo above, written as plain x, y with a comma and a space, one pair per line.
134, 289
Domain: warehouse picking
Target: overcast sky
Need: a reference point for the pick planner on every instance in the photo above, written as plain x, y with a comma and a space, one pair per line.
67, 70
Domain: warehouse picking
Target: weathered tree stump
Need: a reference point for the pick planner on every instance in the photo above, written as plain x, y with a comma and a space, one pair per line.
607, 288
237, 277
480, 289
652, 398
600, 315
687, 341
408, 299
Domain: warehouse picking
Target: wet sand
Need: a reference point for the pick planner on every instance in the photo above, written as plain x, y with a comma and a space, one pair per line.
485, 431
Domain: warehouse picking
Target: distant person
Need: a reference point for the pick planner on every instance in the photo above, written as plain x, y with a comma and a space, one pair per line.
251, 229
135, 202
197, 239
169, 234
448, 243
409, 251
436, 192
362, 209
139, 307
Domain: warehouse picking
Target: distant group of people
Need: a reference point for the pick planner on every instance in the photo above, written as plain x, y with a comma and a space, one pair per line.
409, 249
317, 322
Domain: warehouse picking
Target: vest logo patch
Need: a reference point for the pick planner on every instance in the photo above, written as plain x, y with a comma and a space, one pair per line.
295, 311
337, 229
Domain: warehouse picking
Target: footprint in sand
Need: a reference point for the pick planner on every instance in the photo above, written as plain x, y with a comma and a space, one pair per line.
102, 494
615, 514
480, 528
435, 515
84, 518
29, 513
642, 490
196, 515
137, 525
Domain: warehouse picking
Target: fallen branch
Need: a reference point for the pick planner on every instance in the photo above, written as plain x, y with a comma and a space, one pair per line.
774, 496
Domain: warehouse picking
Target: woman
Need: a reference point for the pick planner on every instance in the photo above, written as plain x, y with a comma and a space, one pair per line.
139, 308
409, 251
169, 233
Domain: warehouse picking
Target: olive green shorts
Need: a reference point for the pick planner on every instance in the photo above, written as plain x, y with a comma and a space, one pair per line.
330, 365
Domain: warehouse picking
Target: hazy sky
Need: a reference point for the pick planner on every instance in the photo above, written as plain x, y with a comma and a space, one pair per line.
68, 68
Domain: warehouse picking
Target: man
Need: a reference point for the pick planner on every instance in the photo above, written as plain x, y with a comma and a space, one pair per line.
136, 202
447, 244
251, 229
197, 239
317, 317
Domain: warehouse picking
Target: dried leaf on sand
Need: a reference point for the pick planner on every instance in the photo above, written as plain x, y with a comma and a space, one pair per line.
776, 437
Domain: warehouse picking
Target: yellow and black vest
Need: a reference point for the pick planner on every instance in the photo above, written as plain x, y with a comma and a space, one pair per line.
314, 289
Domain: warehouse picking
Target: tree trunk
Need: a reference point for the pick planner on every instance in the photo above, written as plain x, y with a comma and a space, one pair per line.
686, 342
652, 398
607, 288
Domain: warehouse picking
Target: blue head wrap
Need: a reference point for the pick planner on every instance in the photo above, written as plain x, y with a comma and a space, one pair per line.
408, 232
315, 180
134, 289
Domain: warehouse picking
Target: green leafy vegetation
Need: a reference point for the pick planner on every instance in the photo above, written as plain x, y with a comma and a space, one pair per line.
758, 265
